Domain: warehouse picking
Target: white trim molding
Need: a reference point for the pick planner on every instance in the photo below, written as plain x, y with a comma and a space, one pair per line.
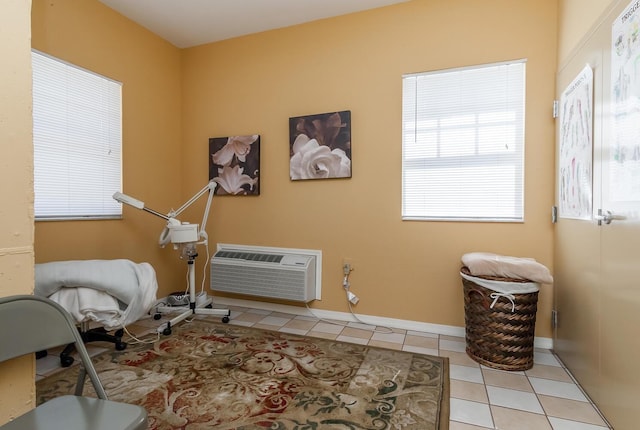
447, 330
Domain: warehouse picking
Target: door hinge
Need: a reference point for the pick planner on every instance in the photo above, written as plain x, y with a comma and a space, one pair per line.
554, 318
555, 109
554, 214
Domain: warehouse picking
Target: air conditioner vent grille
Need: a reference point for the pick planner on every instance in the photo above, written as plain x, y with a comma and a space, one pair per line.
250, 256
272, 274
273, 283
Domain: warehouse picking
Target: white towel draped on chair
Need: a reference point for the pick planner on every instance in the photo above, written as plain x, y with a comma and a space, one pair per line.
113, 293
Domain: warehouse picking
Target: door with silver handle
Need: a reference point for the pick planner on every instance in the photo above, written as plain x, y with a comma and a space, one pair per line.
607, 216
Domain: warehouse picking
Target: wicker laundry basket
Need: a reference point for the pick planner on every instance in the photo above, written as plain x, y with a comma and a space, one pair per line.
500, 337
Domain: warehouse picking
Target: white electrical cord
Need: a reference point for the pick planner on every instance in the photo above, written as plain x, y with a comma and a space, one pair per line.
350, 296
204, 269
186, 281
346, 285
137, 340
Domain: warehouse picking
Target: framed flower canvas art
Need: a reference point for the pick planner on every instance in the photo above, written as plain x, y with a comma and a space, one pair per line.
234, 164
320, 146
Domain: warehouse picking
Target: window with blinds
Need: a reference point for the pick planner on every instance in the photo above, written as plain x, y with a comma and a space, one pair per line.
77, 139
463, 144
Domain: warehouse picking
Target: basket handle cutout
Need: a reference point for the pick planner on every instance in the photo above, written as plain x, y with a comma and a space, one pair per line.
485, 302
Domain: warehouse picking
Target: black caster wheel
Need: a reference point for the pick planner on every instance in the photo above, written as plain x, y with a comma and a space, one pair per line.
119, 333
66, 361
157, 316
225, 319
41, 354
166, 331
120, 346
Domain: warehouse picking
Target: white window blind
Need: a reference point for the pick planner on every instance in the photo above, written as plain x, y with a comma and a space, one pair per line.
463, 144
77, 138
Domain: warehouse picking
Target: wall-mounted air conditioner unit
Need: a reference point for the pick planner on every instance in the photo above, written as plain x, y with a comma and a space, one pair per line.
276, 273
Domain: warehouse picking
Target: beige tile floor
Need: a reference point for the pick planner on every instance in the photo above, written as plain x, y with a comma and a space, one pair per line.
544, 397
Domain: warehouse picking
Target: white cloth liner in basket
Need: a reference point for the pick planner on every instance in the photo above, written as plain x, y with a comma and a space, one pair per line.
504, 289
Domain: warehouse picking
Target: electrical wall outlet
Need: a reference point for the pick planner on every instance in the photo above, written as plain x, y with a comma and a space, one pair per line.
346, 268
347, 265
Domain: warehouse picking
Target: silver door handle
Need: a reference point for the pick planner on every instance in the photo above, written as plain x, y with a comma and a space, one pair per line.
607, 216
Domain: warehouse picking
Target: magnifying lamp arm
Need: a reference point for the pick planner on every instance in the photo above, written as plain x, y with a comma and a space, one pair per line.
125, 199
171, 217
158, 214
209, 187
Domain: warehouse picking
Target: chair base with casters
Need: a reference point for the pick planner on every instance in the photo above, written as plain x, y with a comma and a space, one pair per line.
98, 334
29, 324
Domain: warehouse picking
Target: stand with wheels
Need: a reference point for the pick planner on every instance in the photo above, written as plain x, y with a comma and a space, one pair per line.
194, 308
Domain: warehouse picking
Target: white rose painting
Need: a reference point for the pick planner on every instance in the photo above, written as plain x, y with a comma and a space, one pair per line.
234, 164
320, 146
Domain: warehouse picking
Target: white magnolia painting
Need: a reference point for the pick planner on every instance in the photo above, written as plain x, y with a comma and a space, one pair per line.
234, 164
320, 146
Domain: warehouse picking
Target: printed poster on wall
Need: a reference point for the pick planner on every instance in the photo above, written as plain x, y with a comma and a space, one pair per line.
624, 162
576, 148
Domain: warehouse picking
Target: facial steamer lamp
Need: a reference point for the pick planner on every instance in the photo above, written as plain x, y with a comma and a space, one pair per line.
186, 237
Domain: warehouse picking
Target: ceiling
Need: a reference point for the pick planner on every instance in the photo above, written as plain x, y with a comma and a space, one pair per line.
187, 23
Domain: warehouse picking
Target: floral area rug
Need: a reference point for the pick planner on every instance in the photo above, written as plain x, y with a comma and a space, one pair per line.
210, 375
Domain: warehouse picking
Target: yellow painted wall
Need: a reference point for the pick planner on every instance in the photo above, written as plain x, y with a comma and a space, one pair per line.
90, 35
406, 270
174, 101
16, 190
575, 19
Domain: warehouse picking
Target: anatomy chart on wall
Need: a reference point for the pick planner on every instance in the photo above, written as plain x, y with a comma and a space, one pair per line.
624, 162
576, 147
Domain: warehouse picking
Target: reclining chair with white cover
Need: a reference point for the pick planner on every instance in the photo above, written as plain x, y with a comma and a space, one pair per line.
29, 324
109, 293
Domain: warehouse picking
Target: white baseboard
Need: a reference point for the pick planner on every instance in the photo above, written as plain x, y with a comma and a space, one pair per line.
539, 342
